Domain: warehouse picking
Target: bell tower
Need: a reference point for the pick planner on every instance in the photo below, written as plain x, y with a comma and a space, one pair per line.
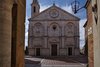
35, 8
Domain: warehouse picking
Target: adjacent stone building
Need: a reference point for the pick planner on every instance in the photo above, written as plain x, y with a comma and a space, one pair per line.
89, 34
96, 31
92, 28
53, 32
12, 20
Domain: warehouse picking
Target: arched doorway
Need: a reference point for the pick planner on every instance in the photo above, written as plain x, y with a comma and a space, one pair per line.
18, 33
70, 51
54, 50
37, 51
14, 33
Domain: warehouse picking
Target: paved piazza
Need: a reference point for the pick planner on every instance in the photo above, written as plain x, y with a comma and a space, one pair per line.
55, 62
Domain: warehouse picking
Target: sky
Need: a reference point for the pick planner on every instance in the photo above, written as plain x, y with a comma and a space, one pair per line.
64, 4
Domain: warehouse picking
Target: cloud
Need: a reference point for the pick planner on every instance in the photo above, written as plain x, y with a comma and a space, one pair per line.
26, 31
68, 9
82, 22
43, 7
82, 32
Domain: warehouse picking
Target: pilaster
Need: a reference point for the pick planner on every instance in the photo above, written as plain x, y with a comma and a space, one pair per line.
5, 32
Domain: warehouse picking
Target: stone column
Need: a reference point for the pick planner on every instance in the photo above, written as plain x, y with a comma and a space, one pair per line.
21, 10
5, 32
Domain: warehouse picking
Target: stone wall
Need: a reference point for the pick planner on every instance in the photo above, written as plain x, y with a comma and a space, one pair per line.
5, 32
11, 36
94, 38
21, 11
89, 34
96, 33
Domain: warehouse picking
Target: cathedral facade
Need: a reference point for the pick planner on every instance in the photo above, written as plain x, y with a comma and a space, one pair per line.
53, 32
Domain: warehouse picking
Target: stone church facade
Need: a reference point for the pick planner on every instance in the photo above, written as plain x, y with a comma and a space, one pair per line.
52, 32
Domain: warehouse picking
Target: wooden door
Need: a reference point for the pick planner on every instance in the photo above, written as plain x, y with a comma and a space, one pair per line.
54, 50
69, 51
37, 51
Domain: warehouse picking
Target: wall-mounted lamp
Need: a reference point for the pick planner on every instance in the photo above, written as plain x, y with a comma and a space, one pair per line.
75, 6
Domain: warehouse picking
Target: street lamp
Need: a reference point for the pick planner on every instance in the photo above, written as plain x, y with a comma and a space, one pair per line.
75, 6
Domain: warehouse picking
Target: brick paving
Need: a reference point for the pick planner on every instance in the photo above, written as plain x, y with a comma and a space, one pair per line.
52, 62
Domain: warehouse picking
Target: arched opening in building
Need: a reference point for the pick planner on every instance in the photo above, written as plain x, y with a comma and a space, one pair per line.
34, 9
70, 51
53, 50
38, 51
14, 33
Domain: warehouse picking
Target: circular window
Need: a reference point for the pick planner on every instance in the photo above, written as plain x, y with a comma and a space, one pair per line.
54, 13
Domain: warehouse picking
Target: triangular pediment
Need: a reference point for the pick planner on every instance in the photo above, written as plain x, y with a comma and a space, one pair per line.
54, 13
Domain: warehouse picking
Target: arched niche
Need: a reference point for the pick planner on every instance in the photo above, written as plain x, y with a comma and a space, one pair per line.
38, 29
69, 29
54, 30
